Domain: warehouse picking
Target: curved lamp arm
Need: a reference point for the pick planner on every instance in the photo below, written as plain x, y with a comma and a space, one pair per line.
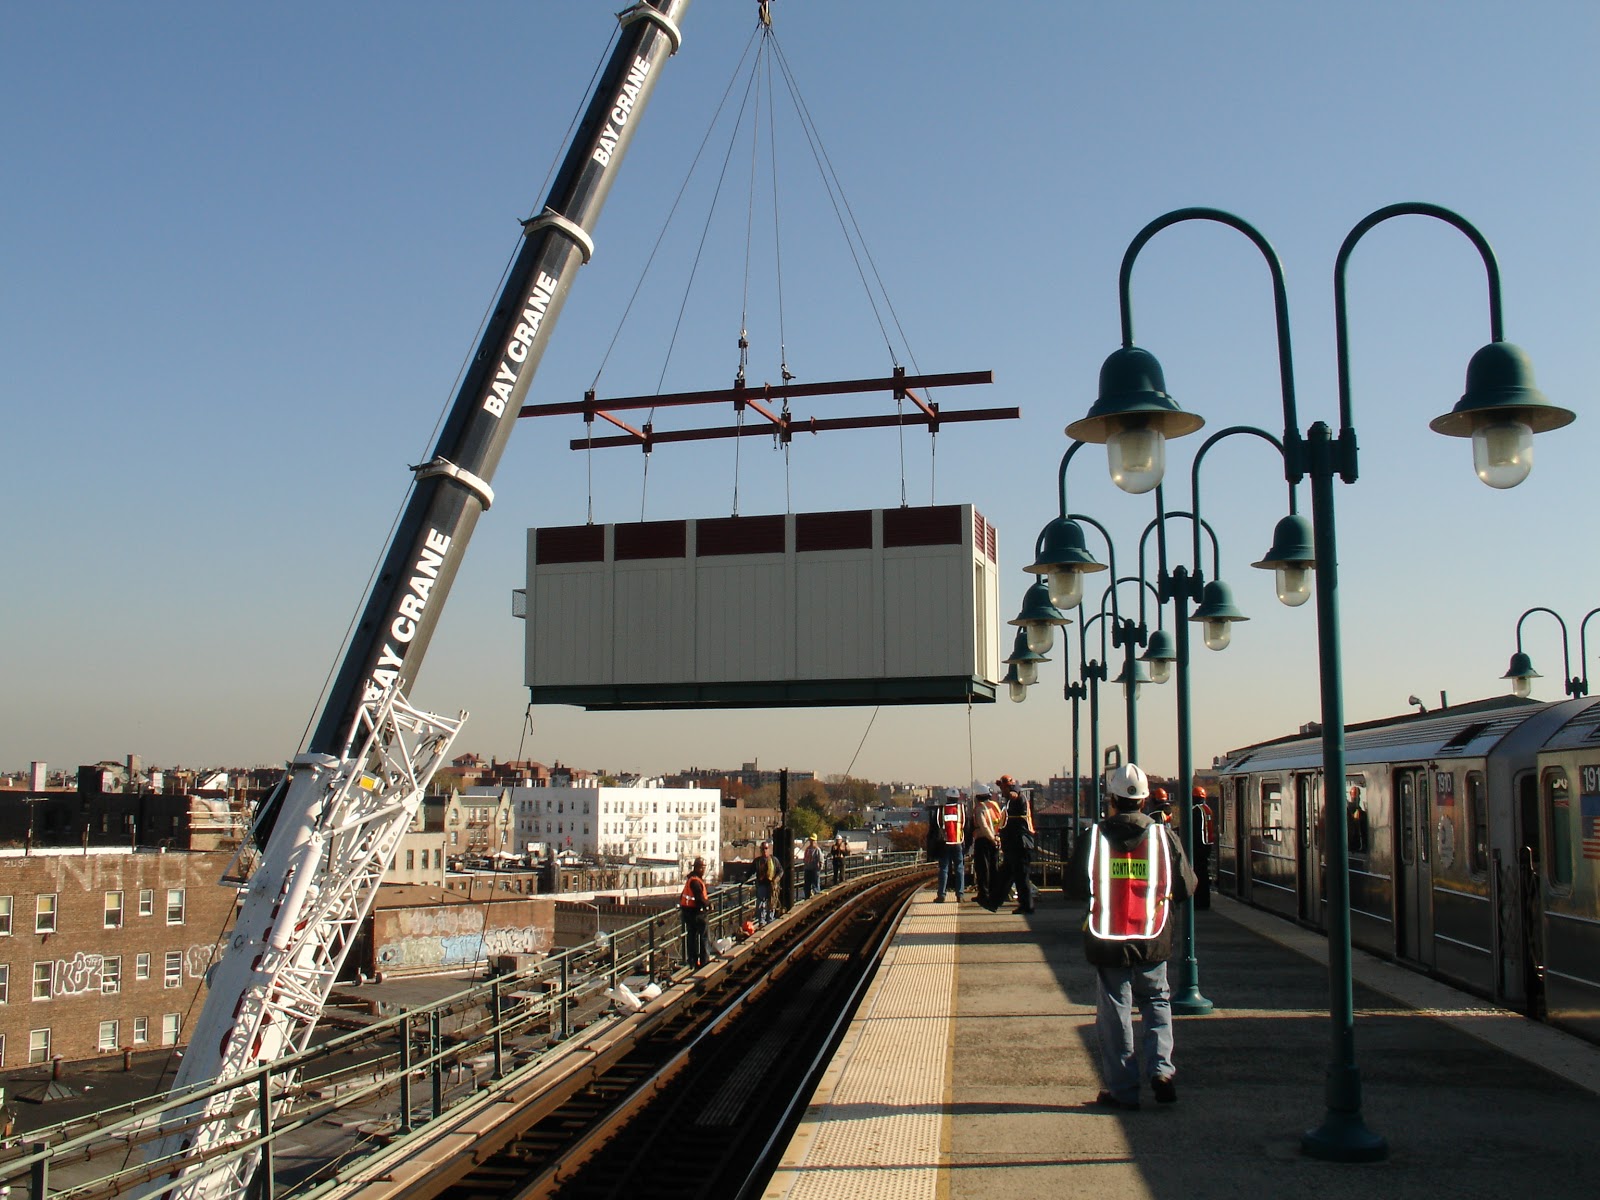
1341, 332
1280, 304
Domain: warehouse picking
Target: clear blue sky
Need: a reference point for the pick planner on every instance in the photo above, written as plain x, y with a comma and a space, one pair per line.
244, 250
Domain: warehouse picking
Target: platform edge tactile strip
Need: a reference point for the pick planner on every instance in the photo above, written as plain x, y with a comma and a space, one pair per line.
876, 1125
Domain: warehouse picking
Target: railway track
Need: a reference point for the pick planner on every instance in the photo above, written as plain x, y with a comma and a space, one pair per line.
694, 1096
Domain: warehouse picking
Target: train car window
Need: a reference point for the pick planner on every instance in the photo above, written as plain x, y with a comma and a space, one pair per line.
1558, 827
1271, 811
1477, 820
1424, 816
1355, 814
1405, 804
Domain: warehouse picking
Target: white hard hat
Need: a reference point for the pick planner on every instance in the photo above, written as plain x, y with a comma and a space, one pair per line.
952, 794
1129, 782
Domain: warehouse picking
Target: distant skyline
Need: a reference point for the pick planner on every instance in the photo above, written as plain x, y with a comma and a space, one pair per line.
245, 251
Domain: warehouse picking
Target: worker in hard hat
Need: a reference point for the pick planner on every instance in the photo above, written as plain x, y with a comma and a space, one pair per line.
986, 819
1132, 871
1017, 839
952, 830
1202, 823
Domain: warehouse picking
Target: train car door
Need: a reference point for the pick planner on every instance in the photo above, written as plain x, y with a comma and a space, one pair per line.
1530, 892
1308, 846
1241, 839
1413, 870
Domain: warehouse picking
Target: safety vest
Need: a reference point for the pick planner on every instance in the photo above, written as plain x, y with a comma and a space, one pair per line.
694, 894
1018, 810
989, 819
952, 822
1130, 886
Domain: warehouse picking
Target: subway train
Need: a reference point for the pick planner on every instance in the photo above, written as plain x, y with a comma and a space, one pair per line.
1474, 836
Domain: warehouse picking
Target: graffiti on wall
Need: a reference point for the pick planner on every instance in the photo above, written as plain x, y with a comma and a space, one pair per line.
84, 972
444, 950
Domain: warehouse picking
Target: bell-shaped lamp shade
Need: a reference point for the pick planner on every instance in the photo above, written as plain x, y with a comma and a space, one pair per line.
1133, 417
1016, 689
1217, 614
1522, 675
1025, 660
1064, 560
1132, 676
1500, 411
1161, 653
1038, 617
1292, 558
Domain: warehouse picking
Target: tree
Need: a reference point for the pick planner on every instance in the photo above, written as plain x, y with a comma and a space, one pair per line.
805, 821
911, 836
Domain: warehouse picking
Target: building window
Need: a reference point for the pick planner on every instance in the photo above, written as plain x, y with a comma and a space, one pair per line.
109, 1035
174, 906
5, 916
39, 1046
2, 1049
113, 910
411, 860
111, 974
141, 966
5, 983
141, 1030
171, 1024
173, 975
44, 913
147, 902
42, 973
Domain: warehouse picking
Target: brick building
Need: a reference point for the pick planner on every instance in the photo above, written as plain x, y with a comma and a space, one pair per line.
102, 949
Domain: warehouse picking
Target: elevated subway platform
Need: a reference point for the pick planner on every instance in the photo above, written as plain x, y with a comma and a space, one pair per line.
970, 1065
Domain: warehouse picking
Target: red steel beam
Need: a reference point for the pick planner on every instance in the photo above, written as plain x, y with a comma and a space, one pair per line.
806, 425
767, 391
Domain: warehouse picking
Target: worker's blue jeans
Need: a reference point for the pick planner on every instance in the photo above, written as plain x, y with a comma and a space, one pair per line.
950, 861
1120, 989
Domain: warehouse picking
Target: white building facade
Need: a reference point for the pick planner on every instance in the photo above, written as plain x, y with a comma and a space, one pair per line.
645, 824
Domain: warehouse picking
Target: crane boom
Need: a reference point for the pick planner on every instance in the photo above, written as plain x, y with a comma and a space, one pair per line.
333, 826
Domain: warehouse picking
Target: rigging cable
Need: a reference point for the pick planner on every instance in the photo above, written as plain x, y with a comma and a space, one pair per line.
863, 742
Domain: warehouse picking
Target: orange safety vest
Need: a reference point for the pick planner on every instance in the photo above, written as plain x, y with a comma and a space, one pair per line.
1130, 886
952, 822
694, 894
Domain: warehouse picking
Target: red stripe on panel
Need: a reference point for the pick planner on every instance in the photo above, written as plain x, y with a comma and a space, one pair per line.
738, 535
650, 539
570, 544
833, 531
936, 526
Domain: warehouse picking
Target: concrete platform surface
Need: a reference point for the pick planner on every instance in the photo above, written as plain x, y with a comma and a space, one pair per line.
970, 1067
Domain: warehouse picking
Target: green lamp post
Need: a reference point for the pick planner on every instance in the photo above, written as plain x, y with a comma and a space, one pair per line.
1500, 410
1521, 672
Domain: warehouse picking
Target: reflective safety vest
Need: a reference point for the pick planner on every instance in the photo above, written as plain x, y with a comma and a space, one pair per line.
1130, 886
951, 822
694, 894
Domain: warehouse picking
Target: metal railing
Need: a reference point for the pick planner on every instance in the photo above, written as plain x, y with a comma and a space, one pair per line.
388, 1078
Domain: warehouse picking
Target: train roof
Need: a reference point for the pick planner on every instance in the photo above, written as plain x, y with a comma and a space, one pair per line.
1582, 732
1462, 731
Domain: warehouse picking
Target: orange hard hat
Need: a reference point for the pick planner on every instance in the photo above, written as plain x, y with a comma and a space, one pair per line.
1159, 795
1199, 792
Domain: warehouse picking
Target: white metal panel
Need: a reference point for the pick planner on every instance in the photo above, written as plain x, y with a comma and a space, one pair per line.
569, 628
927, 603
838, 616
742, 618
653, 623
